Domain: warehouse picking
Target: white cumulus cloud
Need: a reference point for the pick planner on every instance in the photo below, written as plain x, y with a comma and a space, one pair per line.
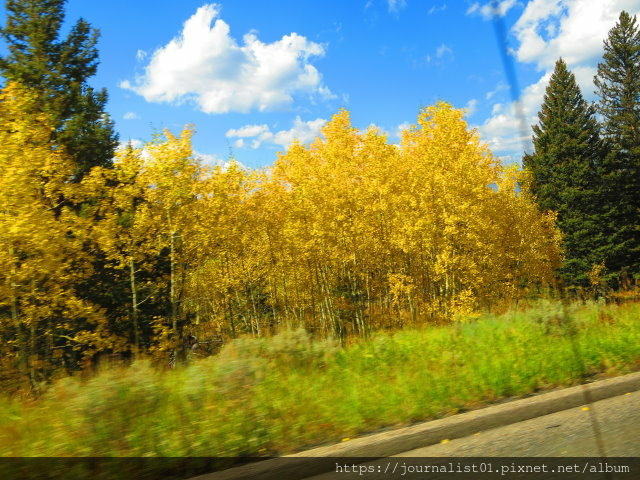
571, 29
547, 30
254, 136
216, 161
503, 130
208, 67
248, 131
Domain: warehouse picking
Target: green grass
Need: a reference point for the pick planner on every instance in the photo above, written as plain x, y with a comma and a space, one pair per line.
263, 397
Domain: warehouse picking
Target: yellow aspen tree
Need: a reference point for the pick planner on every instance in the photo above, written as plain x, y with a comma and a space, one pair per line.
41, 255
463, 207
170, 176
429, 230
527, 242
294, 240
334, 190
317, 225
272, 205
226, 282
126, 238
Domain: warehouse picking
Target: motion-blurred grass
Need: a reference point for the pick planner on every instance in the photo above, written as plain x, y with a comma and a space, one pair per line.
269, 396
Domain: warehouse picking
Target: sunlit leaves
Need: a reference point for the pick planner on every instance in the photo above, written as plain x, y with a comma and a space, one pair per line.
343, 236
435, 223
41, 240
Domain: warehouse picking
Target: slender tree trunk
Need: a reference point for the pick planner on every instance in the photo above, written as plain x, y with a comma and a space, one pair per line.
32, 346
20, 335
172, 289
172, 284
134, 308
255, 311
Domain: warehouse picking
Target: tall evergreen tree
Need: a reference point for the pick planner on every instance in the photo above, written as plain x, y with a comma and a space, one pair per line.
567, 150
618, 84
58, 70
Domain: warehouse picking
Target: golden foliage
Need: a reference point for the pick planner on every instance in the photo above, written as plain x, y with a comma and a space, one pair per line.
344, 235
41, 255
436, 225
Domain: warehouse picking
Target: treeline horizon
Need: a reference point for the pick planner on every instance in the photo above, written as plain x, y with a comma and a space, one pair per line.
148, 252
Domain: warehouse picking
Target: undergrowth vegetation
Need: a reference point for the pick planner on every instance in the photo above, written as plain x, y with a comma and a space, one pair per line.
270, 396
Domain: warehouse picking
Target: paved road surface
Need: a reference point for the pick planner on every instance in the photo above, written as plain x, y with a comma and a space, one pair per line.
562, 434
567, 433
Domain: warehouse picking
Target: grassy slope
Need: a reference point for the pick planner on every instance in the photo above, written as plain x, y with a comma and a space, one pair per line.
273, 396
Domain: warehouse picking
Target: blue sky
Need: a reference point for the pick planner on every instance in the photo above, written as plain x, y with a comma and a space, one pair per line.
251, 75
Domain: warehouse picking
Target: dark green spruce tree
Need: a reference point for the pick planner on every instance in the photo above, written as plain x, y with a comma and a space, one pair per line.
618, 84
58, 69
563, 171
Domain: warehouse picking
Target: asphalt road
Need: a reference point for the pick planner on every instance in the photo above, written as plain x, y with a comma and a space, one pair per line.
568, 433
